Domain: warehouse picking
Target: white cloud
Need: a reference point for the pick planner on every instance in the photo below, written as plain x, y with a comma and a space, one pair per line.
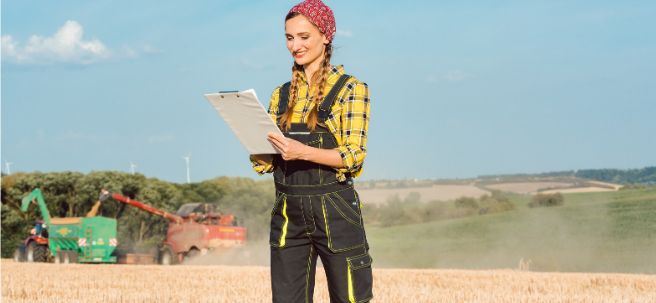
456, 75
10, 49
148, 49
66, 45
346, 33
453, 76
129, 52
145, 50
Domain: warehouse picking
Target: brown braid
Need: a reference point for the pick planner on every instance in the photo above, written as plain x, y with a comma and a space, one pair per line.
286, 118
320, 77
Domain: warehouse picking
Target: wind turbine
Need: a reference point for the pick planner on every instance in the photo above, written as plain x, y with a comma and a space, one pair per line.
187, 159
8, 163
132, 166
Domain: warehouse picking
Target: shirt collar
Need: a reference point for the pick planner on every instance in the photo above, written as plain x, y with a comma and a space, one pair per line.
333, 74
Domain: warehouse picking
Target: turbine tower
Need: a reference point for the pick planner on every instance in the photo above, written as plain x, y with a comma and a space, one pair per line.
187, 159
8, 163
132, 166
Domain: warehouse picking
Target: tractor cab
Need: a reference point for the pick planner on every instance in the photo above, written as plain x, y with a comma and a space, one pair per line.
198, 209
40, 229
205, 213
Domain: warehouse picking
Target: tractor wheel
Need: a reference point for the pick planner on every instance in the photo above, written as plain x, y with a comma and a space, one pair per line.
60, 257
168, 256
18, 256
63, 257
37, 252
66, 258
73, 256
29, 252
193, 253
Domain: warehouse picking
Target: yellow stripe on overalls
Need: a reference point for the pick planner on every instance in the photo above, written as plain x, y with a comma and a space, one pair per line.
284, 226
350, 284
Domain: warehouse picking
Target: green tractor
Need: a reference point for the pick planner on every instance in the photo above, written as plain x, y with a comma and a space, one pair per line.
67, 240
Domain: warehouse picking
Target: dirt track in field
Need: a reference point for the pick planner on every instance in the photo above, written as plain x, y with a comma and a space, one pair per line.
153, 283
532, 187
527, 187
576, 190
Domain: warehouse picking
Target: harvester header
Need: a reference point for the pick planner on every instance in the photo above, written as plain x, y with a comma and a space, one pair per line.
105, 194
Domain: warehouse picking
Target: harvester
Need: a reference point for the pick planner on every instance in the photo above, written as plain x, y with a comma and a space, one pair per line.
196, 228
68, 240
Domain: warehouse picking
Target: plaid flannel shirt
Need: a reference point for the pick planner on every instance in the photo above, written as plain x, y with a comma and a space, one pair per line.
348, 120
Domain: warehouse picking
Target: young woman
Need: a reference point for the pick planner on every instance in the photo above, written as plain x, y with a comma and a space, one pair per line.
323, 114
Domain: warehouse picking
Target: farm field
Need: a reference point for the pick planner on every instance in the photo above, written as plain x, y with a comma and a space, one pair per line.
134, 283
452, 192
616, 186
593, 232
435, 192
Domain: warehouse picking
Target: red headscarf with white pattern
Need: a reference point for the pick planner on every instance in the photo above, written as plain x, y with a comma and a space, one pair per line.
320, 14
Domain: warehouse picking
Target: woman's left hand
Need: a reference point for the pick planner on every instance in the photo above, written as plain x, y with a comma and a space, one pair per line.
289, 149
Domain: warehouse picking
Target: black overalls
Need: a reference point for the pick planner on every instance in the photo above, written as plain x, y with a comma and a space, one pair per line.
315, 214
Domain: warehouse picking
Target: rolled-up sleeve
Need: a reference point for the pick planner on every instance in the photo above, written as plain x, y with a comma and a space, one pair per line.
273, 109
354, 127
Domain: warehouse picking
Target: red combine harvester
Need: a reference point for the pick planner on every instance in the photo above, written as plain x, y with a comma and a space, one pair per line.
194, 229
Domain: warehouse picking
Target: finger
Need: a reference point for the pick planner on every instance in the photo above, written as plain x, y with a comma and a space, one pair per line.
276, 145
276, 136
278, 139
280, 146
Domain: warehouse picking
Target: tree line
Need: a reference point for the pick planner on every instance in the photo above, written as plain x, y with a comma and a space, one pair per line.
72, 194
646, 176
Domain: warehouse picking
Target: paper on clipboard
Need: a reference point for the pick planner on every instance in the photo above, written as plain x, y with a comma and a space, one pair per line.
247, 118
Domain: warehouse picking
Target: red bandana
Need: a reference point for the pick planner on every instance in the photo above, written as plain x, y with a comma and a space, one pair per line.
320, 14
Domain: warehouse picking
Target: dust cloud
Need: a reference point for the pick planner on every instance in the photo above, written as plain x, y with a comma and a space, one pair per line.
553, 239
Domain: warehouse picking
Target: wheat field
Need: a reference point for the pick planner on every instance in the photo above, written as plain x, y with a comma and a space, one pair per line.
38, 282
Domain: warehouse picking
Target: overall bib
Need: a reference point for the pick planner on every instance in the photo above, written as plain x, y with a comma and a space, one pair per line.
316, 215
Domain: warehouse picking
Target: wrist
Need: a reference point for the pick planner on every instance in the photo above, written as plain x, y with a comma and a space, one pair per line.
306, 153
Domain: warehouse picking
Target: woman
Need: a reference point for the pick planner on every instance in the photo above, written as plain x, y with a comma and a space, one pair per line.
324, 117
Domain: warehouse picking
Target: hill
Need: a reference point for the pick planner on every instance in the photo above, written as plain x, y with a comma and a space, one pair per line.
592, 232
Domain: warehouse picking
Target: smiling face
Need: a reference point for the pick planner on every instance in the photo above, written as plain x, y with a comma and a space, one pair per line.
305, 41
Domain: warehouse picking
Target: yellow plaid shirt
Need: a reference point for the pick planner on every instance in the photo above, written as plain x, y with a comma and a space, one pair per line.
348, 120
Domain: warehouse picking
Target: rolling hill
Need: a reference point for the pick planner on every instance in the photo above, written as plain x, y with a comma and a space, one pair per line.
593, 232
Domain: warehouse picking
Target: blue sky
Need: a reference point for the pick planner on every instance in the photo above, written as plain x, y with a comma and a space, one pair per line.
458, 88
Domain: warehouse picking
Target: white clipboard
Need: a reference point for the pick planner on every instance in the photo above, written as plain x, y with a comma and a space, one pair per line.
247, 118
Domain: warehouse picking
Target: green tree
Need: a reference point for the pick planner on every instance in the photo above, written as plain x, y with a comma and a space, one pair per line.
412, 199
465, 202
547, 200
393, 213
496, 202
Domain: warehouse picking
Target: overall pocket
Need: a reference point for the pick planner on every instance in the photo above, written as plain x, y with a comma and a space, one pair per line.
343, 224
360, 278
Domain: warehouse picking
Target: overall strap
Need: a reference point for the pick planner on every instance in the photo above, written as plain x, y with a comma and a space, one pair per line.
283, 98
331, 98
328, 101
